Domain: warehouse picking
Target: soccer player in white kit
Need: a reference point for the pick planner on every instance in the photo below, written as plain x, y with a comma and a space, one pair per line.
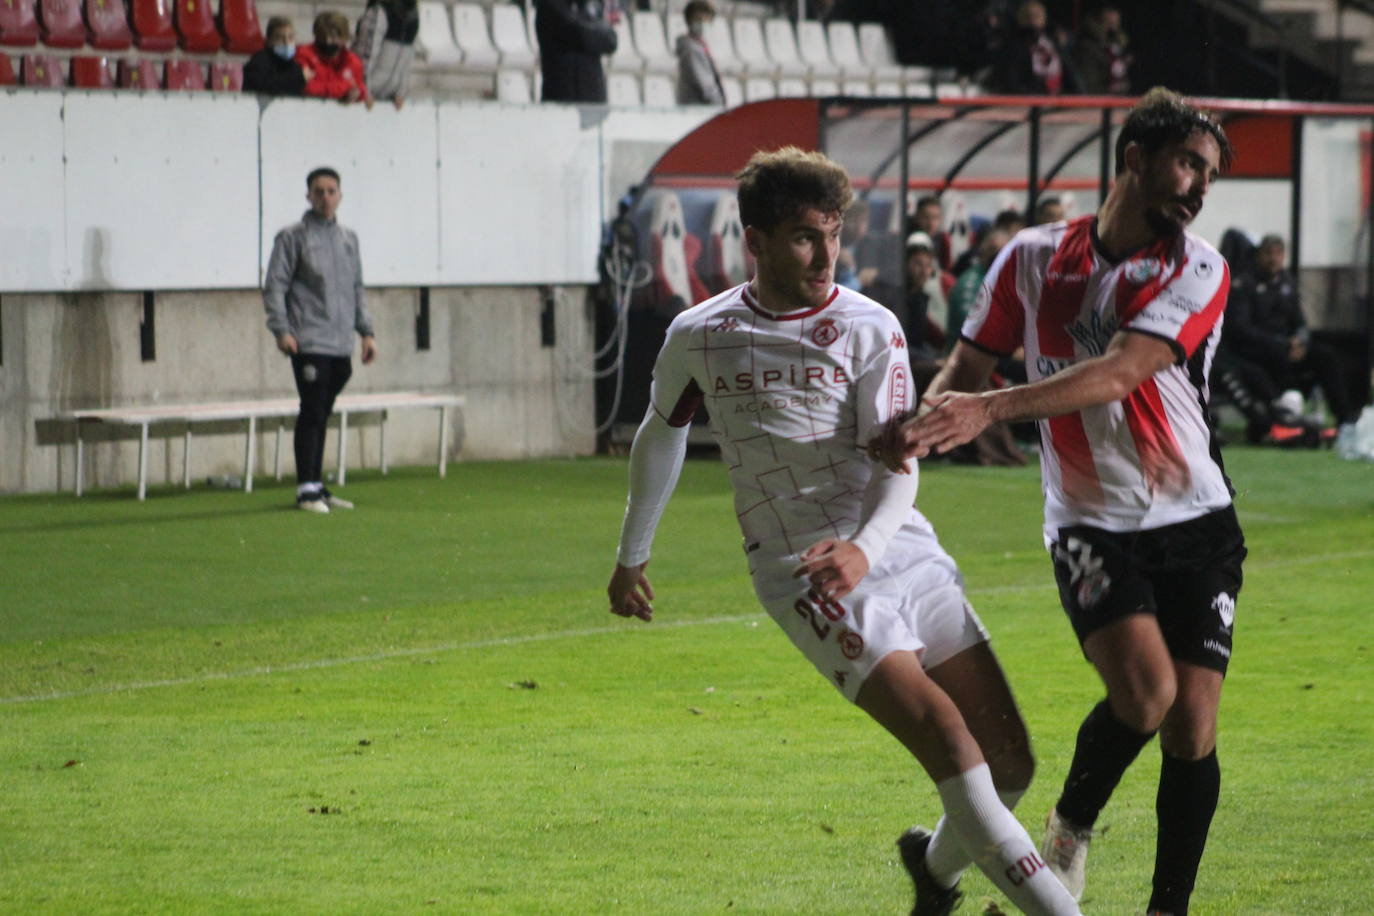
1119, 315
797, 372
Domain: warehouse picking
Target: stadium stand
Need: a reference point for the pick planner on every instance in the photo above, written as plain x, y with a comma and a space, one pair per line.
471, 40
651, 42
660, 91
183, 75
514, 86
792, 88
226, 76
510, 37
844, 50
107, 25
239, 25
195, 25
622, 90
42, 71
781, 46
91, 73
60, 23
759, 88
18, 26
625, 59
875, 46
733, 89
718, 39
138, 74
152, 24
748, 36
815, 51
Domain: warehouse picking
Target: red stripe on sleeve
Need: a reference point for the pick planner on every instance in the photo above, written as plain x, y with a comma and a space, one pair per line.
1196, 328
686, 406
1161, 460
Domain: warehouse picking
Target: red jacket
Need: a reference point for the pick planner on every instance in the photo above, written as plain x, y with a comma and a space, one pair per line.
334, 77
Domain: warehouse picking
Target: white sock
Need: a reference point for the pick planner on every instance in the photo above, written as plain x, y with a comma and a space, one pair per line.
309, 490
946, 859
1000, 846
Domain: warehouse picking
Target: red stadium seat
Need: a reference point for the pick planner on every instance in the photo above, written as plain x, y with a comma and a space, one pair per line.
18, 26
238, 20
6, 71
91, 73
108, 24
42, 70
152, 22
195, 22
138, 74
61, 22
226, 76
184, 75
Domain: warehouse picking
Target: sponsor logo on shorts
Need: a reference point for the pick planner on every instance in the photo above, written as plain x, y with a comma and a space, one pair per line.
825, 333
851, 644
1085, 572
1218, 648
1225, 606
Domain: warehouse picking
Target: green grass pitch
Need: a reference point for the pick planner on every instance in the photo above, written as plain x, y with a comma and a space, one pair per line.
212, 704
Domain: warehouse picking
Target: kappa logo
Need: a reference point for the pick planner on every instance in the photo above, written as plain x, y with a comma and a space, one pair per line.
898, 341
726, 324
1225, 606
825, 333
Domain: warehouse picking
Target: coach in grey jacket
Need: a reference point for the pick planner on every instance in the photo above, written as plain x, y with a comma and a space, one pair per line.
698, 81
314, 299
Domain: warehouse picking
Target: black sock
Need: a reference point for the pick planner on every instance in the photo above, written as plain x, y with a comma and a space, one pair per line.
1188, 791
1106, 747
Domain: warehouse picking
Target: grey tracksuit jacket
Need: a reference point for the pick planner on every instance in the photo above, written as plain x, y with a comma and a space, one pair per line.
314, 287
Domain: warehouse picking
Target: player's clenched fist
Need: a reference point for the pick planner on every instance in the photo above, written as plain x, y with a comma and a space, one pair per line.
630, 592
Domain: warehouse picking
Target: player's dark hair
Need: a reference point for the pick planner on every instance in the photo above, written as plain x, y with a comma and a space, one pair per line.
698, 8
322, 172
1160, 118
927, 201
778, 185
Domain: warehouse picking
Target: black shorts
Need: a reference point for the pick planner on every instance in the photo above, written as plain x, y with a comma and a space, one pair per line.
1187, 575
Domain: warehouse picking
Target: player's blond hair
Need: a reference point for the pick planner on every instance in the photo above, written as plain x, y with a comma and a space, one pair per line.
778, 185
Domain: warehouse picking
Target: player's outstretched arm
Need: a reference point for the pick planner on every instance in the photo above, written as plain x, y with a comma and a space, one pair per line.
966, 369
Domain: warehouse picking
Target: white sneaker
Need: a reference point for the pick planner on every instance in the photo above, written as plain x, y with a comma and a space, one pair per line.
336, 502
1065, 851
315, 504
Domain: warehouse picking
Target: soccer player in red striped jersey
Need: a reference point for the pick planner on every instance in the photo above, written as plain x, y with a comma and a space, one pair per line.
1119, 315
798, 374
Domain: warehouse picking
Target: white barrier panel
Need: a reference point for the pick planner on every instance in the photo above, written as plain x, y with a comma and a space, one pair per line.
519, 194
386, 160
33, 251
161, 191
1332, 203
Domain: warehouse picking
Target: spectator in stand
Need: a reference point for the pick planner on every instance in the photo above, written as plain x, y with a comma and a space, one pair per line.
698, 80
929, 218
332, 70
573, 35
921, 307
1031, 61
1102, 53
1267, 349
1048, 210
385, 43
961, 297
274, 70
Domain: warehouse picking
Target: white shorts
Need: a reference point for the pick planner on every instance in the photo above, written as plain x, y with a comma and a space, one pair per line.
914, 600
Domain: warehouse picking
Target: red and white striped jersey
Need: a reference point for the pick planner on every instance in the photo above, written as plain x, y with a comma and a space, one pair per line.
1150, 459
792, 400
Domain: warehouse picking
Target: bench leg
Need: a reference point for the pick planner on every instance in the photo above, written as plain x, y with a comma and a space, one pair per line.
443, 442
249, 451
382, 433
80, 459
276, 460
186, 459
142, 462
343, 448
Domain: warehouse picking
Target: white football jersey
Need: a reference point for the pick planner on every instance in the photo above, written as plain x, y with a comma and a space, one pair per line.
1149, 459
792, 400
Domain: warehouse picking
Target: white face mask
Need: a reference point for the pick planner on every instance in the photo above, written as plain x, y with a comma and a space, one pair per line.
285, 52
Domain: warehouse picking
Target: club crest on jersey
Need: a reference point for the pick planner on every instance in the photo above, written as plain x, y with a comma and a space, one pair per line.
1143, 271
825, 333
851, 644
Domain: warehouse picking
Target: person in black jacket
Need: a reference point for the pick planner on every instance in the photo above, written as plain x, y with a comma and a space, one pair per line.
274, 70
573, 35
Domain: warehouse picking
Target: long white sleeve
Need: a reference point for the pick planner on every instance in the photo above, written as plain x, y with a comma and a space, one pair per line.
655, 463
888, 499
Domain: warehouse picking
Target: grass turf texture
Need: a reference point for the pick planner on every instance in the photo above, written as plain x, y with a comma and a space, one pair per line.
212, 703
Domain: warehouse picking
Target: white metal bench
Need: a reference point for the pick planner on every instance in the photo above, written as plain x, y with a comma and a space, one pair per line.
146, 415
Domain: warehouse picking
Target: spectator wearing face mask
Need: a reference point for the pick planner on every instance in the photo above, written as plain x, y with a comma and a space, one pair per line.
332, 71
274, 70
698, 80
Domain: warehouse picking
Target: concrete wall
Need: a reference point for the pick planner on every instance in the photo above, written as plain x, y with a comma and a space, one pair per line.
67, 351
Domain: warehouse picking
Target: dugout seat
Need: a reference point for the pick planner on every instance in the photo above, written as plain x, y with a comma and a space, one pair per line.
622, 90
152, 22
659, 91
18, 25
747, 33
815, 50
61, 23
781, 43
42, 71
844, 50
183, 75
436, 36
239, 26
92, 73
652, 43
722, 47
226, 76
6, 71
759, 89
138, 74
625, 59
510, 38
195, 25
107, 25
